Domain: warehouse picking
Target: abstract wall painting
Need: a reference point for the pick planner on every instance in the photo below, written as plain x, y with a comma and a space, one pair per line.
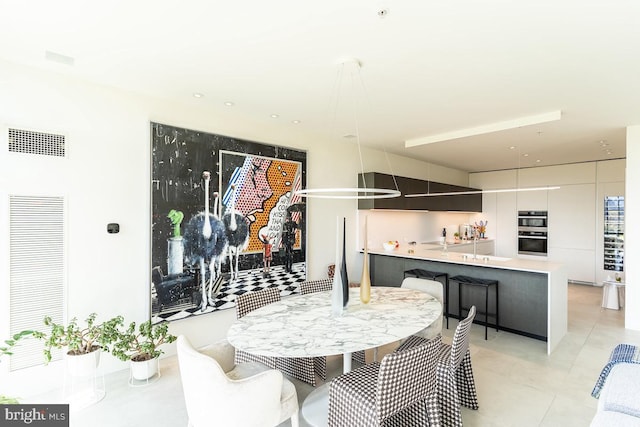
225, 220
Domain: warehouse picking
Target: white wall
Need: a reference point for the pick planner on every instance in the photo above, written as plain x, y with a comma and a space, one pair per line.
632, 228
106, 178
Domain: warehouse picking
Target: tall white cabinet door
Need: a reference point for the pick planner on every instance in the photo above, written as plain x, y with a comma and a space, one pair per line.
572, 225
507, 225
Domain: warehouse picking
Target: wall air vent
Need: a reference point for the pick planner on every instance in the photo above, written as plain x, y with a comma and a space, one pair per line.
36, 271
30, 142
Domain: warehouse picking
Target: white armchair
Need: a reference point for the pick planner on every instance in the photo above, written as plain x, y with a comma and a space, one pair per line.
433, 288
245, 395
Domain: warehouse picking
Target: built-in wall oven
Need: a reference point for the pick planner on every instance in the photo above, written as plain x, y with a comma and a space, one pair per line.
532, 232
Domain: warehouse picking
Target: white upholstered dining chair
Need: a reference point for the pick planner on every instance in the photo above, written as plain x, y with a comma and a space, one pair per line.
433, 288
219, 393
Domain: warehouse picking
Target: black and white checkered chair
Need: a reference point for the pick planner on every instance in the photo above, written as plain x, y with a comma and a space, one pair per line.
456, 385
400, 391
301, 368
309, 287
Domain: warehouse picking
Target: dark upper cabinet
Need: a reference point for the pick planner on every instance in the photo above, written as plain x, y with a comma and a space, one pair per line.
458, 202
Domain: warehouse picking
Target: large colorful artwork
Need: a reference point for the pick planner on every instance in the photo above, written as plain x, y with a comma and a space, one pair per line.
225, 220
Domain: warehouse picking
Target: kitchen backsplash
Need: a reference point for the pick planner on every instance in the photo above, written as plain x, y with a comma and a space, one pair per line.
407, 226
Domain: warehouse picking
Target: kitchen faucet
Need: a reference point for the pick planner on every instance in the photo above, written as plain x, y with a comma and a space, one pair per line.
475, 244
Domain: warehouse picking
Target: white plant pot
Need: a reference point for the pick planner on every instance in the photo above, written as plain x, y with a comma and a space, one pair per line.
81, 365
144, 370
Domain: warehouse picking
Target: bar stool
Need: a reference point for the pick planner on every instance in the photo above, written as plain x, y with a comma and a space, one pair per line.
433, 275
486, 284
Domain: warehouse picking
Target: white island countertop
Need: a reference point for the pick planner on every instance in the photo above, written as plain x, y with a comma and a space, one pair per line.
435, 252
556, 277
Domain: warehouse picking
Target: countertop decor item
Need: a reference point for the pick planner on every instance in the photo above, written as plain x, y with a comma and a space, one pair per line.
390, 245
340, 288
365, 280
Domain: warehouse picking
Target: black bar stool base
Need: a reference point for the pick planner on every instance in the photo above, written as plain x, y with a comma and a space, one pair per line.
486, 284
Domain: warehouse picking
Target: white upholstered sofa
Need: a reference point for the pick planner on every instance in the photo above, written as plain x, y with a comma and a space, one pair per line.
619, 401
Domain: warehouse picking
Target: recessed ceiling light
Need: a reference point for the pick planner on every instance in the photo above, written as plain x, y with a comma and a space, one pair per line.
609, 152
197, 95
513, 147
537, 160
58, 57
295, 122
525, 155
229, 104
274, 116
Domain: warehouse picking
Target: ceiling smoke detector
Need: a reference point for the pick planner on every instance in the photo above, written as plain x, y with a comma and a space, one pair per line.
383, 12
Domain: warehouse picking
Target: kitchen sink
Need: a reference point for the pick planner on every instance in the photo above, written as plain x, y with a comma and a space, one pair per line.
486, 257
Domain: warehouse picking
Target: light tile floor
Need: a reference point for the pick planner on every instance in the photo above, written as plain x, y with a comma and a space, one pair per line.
517, 383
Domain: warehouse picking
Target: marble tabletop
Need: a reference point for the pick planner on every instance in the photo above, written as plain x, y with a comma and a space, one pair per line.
303, 326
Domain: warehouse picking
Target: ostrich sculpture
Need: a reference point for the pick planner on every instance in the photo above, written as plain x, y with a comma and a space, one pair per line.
205, 242
237, 232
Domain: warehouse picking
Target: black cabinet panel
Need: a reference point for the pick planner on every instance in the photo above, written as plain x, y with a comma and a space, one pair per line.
460, 203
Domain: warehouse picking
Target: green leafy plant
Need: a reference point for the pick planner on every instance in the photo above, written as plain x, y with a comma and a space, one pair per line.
142, 343
5, 350
79, 339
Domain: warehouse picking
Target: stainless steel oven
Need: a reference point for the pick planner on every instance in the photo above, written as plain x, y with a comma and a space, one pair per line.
532, 233
532, 219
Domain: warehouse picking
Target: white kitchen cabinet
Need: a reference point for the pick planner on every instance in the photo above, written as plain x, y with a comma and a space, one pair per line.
572, 230
572, 217
533, 200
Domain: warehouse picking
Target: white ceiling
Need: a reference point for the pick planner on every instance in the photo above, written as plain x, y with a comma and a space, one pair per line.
428, 67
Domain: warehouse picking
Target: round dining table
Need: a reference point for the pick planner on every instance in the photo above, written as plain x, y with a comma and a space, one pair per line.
304, 326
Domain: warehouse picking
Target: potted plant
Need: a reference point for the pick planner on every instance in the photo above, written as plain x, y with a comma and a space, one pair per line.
141, 346
83, 342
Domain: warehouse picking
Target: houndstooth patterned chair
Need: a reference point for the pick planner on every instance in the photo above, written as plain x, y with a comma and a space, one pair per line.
301, 368
319, 363
400, 391
456, 385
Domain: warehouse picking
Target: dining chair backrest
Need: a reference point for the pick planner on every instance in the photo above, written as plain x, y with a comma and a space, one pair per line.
312, 286
250, 301
432, 287
406, 377
204, 381
460, 343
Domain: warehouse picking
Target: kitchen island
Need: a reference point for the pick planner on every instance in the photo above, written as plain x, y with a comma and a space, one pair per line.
532, 294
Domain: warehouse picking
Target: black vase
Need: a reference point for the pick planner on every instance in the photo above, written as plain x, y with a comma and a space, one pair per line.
343, 266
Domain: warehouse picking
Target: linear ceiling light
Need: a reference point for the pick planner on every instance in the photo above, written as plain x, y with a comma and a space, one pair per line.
502, 190
480, 130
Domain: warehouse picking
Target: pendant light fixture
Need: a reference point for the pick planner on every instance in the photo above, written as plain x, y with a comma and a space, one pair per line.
352, 67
